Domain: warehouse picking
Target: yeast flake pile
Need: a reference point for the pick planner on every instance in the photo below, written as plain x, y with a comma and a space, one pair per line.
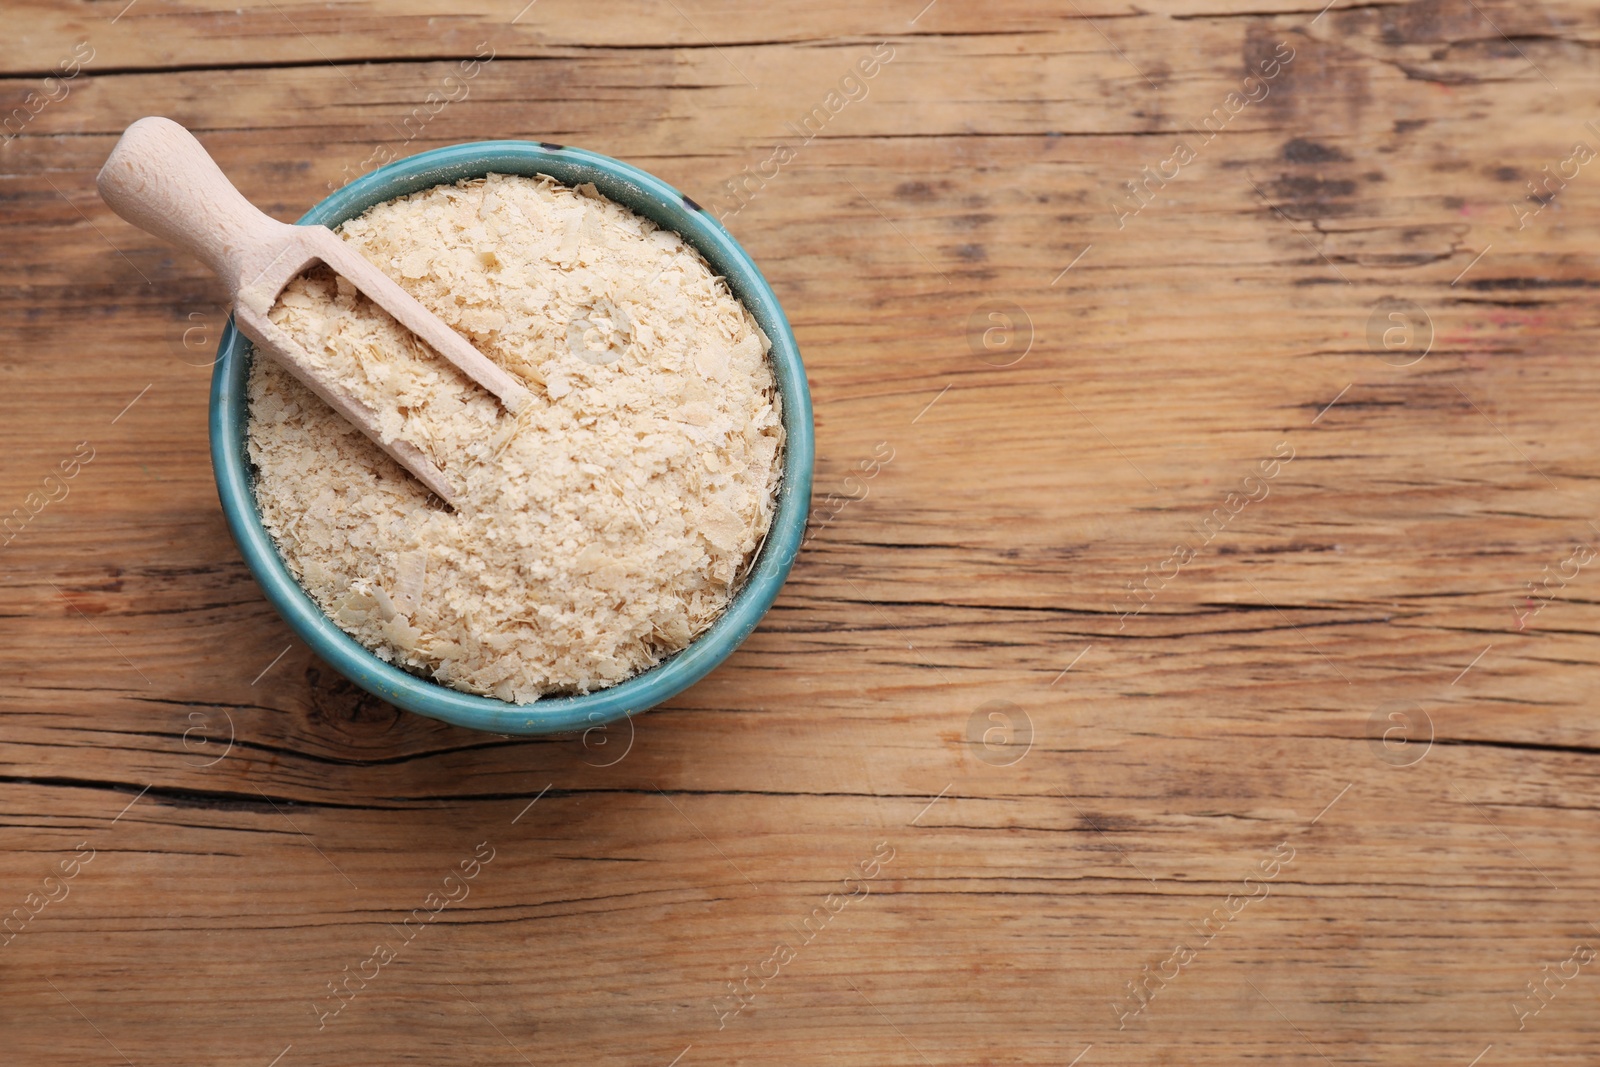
600, 529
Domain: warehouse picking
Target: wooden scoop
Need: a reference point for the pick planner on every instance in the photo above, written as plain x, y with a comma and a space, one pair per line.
160, 179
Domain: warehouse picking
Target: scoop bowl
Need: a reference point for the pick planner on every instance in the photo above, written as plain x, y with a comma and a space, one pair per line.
654, 199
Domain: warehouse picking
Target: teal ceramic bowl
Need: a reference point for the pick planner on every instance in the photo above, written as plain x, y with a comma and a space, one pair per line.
662, 204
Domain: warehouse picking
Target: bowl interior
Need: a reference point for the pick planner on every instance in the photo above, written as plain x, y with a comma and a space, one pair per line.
668, 208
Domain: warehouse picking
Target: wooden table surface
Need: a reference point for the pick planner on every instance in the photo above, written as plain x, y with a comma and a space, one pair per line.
1206, 675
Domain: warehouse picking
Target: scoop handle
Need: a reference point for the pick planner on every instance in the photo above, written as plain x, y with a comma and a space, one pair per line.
159, 178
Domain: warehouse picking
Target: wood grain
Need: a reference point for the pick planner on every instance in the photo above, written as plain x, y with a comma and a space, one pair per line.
1037, 869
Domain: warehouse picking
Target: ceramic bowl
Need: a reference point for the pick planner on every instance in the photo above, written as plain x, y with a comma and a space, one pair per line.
670, 209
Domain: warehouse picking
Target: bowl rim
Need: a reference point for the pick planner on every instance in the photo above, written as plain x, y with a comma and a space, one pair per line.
667, 207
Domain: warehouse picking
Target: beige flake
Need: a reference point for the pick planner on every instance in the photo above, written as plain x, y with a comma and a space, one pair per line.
602, 528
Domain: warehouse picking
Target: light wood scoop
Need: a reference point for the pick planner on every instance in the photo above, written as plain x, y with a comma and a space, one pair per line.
159, 178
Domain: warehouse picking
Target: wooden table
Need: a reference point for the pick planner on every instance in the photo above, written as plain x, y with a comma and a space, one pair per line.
1207, 678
